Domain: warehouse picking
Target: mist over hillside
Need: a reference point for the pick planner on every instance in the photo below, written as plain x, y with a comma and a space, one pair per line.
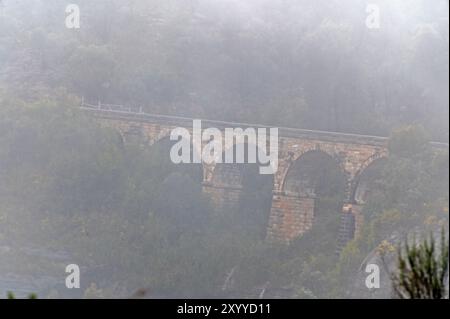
309, 64
76, 190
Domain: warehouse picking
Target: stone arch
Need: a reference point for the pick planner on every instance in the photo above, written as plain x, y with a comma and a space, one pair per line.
301, 204
290, 174
165, 144
226, 145
293, 157
162, 134
362, 177
240, 189
233, 170
130, 131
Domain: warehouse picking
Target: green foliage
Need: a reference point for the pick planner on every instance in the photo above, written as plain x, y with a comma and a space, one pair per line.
408, 141
11, 295
200, 60
135, 219
113, 204
408, 194
422, 270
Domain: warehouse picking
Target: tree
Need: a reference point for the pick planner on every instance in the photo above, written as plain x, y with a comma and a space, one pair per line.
422, 270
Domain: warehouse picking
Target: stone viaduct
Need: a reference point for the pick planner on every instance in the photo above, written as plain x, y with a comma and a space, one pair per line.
293, 200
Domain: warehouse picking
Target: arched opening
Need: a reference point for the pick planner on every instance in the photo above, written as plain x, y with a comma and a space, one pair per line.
246, 195
164, 166
367, 191
173, 192
317, 183
315, 174
368, 182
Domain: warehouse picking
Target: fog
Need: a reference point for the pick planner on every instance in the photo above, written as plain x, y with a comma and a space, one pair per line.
89, 94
